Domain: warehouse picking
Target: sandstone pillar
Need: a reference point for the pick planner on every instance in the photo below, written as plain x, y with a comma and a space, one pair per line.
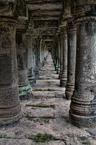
71, 60
30, 59
63, 77
59, 47
25, 89
58, 56
83, 105
33, 61
41, 53
37, 56
55, 55
9, 93
61, 55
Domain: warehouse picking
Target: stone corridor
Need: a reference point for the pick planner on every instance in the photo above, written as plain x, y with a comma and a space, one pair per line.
47, 72
45, 119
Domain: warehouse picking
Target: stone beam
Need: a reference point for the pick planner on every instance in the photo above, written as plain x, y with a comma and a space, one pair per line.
7, 7
46, 12
45, 23
48, 40
46, 18
46, 6
44, 1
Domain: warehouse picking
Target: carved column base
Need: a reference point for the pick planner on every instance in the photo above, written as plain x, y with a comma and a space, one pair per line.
69, 91
63, 80
10, 110
31, 77
83, 121
10, 120
25, 89
58, 70
36, 73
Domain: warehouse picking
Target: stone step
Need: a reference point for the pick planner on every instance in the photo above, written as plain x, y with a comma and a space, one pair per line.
48, 94
53, 88
5, 141
40, 113
28, 142
40, 105
48, 81
44, 102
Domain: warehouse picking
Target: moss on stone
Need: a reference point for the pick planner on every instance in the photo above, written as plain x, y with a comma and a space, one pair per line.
41, 105
3, 135
42, 117
23, 91
43, 138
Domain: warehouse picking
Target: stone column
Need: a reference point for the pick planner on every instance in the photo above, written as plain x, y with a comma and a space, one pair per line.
25, 90
58, 56
33, 61
55, 59
71, 59
83, 104
41, 53
30, 59
9, 93
61, 55
59, 47
63, 77
37, 55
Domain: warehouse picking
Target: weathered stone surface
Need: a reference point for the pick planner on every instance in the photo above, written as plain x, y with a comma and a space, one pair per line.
31, 129
83, 105
25, 89
40, 112
63, 74
71, 59
9, 101
45, 117
16, 142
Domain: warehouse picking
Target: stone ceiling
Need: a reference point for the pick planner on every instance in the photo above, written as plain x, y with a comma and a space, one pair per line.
46, 15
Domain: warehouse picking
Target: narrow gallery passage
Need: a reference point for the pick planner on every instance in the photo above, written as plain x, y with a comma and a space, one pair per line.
47, 72
45, 119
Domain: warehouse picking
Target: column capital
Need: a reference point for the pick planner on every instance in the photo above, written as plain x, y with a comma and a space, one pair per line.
84, 8
7, 8
85, 18
63, 28
7, 22
85, 2
22, 23
63, 24
67, 9
71, 25
12, 8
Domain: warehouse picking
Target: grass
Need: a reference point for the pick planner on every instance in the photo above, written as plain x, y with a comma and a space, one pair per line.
40, 106
39, 119
42, 138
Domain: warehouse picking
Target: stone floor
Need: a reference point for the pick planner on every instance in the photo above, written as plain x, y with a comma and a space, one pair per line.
45, 118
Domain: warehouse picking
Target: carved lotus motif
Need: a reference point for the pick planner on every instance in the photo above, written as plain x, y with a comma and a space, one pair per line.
7, 7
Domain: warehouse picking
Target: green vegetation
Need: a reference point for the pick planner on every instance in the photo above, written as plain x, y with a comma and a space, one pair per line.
40, 106
43, 138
